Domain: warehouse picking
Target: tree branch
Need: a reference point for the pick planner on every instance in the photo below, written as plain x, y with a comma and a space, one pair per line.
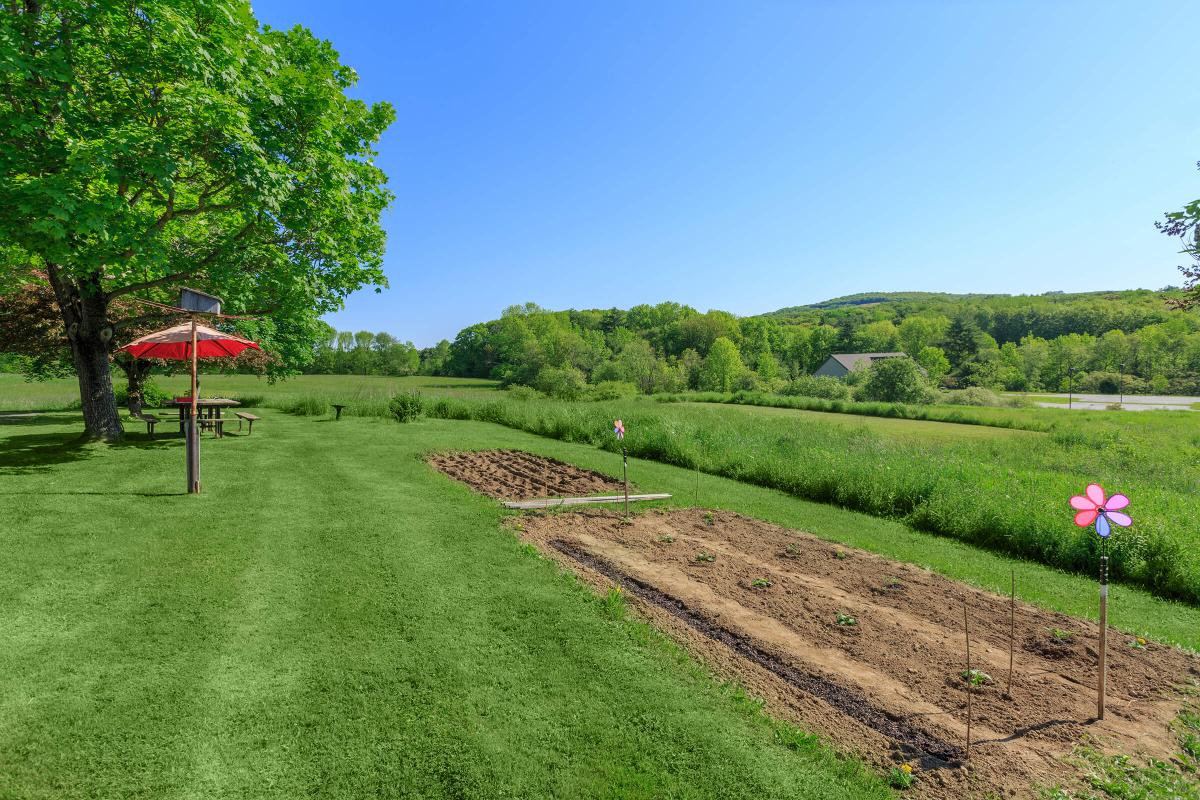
163, 281
138, 320
178, 276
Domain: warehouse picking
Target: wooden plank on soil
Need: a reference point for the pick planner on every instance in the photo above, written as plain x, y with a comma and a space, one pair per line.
550, 502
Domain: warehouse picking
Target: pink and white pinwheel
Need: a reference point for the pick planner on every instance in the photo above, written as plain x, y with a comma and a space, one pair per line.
1093, 507
619, 429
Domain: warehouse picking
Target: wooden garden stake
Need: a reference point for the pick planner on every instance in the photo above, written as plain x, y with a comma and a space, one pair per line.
967, 630
1100, 687
1094, 507
1012, 628
625, 473
619, 430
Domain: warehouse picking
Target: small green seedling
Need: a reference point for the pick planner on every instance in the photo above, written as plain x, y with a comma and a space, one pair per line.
705, 557
1059, 635
708, 518
666, 539
792, 550
760, 583
893, 583
901, 777
839, 555
976, 677
846, 620
1138, 644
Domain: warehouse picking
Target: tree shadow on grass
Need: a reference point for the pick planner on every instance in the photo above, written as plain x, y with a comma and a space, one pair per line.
39, 452
31, 418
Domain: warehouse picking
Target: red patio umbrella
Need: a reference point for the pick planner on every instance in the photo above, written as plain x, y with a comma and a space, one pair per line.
176, 344
189, 341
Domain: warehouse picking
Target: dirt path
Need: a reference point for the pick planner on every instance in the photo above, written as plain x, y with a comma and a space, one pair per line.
765, 610
515, 475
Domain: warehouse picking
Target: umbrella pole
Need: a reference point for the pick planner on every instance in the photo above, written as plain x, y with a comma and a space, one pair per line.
193, 433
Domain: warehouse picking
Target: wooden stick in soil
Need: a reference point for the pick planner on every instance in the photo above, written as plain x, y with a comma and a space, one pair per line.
1100, 688
1012, 630
625, 474
967, 630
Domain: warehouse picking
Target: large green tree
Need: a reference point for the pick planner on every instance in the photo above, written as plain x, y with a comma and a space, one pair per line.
1185, 224
148, 145
722, 367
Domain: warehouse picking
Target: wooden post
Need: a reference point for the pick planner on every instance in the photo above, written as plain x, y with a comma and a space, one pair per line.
967, 630
192, 448
1012, 628
1100, 684
625, 474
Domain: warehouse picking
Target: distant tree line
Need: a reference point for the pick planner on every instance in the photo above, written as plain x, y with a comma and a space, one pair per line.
366, 353
1101, 342
1105, 342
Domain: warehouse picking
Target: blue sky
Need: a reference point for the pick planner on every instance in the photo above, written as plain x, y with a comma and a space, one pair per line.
754, 155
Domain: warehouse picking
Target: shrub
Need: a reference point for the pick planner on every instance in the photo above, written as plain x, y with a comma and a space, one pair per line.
748, 381
152, 395
895, 380
308, 405
562, 383
1100, 382
523, 393
406, 407
972, 396
613, 390
250, 400
823, 387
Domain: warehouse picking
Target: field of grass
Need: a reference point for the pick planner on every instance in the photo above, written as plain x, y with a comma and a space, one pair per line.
365, 395
997, 478
1005, 493
1027, 418
331, 618
913, 430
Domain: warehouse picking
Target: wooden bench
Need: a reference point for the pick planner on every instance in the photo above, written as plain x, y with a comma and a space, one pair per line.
135, 411
246, 416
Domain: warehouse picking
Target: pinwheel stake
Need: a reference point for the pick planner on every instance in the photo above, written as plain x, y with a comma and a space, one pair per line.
619, 430
1094, 508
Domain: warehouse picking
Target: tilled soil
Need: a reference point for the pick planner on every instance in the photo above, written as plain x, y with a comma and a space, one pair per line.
890, 687
516, 475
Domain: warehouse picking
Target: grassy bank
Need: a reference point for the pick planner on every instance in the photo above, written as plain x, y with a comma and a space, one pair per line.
1024, 418
333, 619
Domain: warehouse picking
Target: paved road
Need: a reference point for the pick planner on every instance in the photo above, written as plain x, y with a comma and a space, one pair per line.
1132, 402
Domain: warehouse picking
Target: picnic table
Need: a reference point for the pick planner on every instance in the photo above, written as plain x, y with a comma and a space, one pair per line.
208, 410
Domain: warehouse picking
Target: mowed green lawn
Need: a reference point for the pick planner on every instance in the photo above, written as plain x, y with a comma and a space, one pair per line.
331, 618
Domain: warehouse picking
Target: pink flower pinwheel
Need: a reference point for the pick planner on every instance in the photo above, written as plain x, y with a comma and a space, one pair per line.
1093, 507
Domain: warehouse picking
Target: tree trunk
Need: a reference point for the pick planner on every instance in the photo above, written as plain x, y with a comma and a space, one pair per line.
136, 371
85, 315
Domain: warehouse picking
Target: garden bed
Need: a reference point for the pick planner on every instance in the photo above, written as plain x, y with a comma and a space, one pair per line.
517, 475
871, 652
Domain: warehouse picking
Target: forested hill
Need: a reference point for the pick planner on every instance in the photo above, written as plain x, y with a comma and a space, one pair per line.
1006, 317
